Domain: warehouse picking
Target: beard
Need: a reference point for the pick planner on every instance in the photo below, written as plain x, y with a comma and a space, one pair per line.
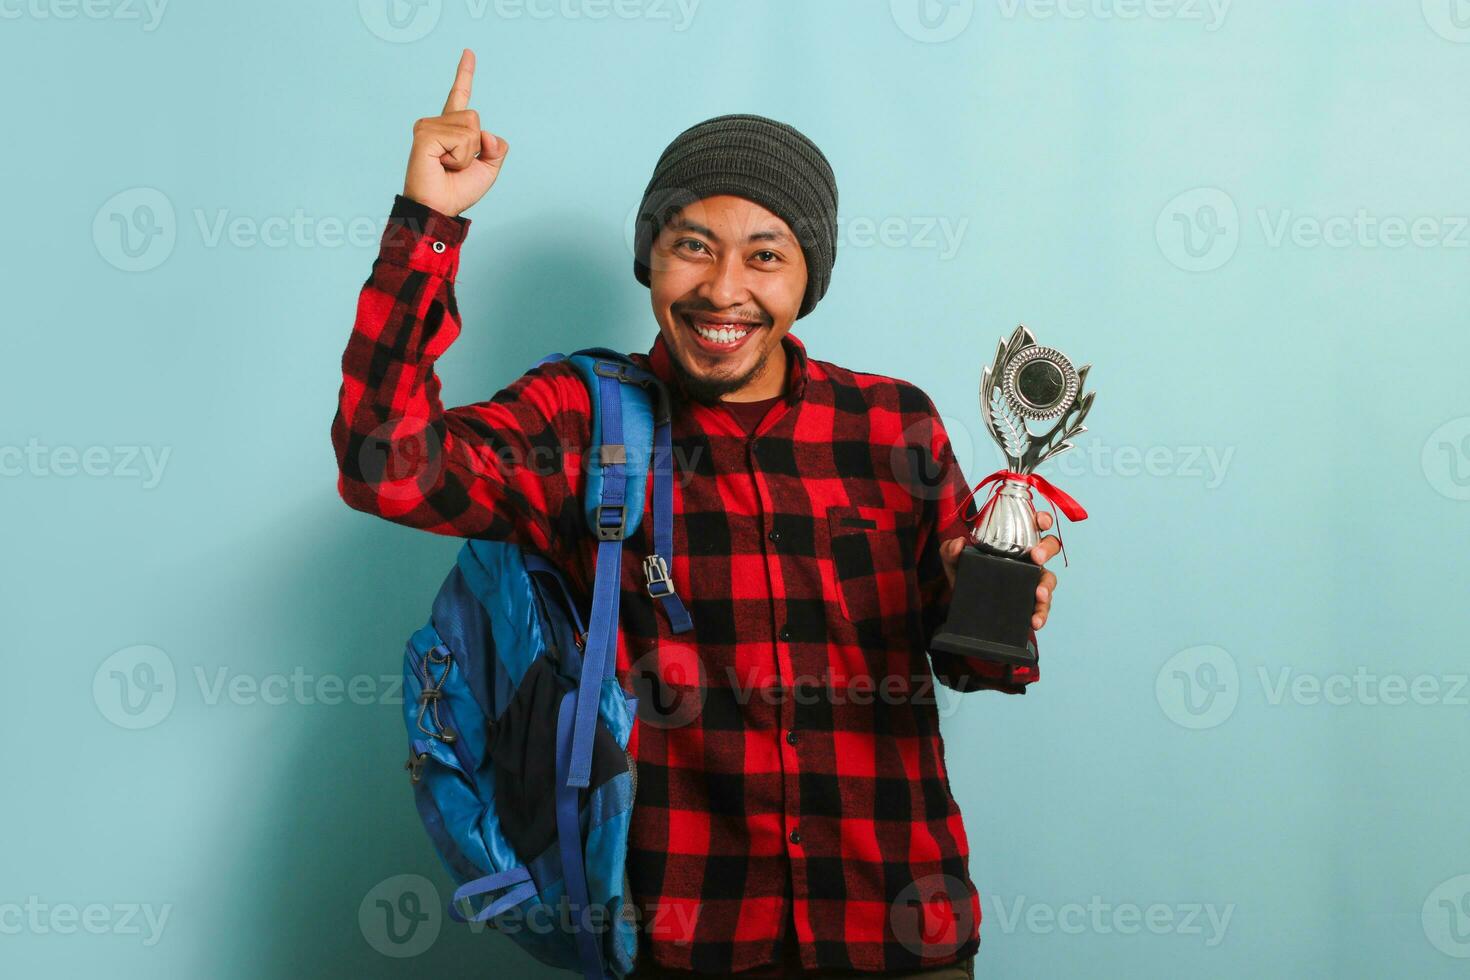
708, 391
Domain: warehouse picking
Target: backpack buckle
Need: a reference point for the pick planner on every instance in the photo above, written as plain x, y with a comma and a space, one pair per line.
656, 570
617, 369
628, 374
608, 527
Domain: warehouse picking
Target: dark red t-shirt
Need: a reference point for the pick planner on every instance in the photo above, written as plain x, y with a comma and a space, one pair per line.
749, 414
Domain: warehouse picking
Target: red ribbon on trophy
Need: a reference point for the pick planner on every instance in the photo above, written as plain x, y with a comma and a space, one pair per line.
1055, 496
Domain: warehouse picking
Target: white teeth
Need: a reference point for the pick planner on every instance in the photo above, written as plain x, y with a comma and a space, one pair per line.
721, 335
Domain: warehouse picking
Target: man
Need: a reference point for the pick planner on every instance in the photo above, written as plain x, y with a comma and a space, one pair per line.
793, 814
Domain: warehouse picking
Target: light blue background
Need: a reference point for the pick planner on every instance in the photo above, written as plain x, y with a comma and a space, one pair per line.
1327, 380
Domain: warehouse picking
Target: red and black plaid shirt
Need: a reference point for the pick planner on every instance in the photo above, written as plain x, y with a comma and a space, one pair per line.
790, 763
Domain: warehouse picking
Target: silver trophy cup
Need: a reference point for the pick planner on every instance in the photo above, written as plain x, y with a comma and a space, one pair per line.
995, 585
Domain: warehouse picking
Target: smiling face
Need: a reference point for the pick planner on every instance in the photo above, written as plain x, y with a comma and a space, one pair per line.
727, 278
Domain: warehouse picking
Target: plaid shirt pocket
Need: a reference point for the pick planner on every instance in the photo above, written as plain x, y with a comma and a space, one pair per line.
873, 563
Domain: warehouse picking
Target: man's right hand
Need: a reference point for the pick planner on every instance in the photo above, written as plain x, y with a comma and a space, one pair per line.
453, 161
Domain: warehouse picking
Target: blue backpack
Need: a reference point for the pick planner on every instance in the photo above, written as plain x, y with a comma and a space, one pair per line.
517, 727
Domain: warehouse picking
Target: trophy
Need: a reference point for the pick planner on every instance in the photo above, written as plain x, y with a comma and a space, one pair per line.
995, 582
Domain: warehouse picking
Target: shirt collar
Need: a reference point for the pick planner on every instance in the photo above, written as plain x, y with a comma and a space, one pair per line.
660, 362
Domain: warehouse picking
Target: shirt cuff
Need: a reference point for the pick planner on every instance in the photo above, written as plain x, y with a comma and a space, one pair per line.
423, 239
965, 674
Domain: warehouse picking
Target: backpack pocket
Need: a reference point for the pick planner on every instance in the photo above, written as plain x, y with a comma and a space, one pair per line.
522, 752
449, 807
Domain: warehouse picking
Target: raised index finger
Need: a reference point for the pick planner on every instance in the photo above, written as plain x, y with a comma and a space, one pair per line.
464, 78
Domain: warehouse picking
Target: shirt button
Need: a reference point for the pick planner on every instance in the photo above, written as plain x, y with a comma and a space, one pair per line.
795, 837
775, 536
785, 633
791, 737
439, 247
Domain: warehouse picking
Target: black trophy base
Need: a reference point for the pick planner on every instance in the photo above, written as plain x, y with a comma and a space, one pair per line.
990, 613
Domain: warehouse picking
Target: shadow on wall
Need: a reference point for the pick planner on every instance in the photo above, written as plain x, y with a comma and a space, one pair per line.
335, 876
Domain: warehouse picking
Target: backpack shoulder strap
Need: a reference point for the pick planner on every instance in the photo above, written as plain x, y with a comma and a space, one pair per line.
625, 409
630, 436
630, 441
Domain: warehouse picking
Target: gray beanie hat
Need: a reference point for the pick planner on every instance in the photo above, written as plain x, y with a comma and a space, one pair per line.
756, 158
